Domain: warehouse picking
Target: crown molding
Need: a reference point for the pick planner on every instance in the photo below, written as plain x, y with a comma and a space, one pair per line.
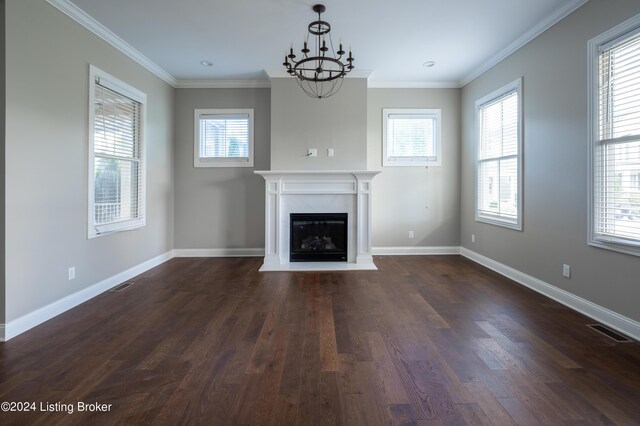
81, 17
525, 38
222, 84
375, 84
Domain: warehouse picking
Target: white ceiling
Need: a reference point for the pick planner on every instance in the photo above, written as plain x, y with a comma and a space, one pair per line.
392, 40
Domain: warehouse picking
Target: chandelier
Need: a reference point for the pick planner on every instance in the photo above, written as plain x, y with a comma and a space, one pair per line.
321, 70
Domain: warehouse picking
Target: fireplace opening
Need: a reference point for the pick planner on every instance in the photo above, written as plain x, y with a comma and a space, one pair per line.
318, 237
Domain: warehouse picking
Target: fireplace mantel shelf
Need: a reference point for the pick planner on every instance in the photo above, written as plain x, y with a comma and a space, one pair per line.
317, 191
275, 173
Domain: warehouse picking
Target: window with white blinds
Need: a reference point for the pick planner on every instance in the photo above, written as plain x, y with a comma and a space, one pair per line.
223, 138
499, 157
116, 160
615, 131
411, 137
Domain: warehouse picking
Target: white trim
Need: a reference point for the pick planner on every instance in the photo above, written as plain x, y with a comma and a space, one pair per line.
429, 114
81, 17
525, 38
416, 251
593, 46
490, 98
219, 252
222, 84
45, 313
318, 267
603, 315
381, 84
124, 89
199, 161
260, 84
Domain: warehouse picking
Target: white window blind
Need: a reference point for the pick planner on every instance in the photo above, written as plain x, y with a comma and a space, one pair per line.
224, 138
411, 137
116, 160
616, 155
498, 158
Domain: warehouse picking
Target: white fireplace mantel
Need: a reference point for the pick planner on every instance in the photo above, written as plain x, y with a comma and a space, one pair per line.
317, 191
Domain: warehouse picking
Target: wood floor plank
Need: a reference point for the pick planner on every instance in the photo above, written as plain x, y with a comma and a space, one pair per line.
394, 390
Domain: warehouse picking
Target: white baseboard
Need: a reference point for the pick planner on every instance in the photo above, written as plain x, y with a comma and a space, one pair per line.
219, 252
37, 317
603, 315
427, 250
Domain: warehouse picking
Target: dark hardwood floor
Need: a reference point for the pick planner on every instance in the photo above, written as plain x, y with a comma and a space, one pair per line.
425, 340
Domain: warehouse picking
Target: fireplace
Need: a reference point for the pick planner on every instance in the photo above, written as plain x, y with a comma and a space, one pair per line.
317, 191
318, 237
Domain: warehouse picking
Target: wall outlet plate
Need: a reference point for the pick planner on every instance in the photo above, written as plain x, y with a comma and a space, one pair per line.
566, 271
330, 152
72, 273
411, 234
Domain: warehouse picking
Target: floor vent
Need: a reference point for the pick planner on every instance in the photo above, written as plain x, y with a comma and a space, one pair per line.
122, 286
612, 334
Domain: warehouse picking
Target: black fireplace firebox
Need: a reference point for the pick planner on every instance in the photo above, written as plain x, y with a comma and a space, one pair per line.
318, 237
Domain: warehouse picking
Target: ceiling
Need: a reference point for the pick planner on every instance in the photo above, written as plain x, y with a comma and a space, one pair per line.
245, 39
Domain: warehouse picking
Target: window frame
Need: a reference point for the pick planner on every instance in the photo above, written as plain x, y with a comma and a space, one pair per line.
610, 38
489, 99
434, 113
199, 161
124, 89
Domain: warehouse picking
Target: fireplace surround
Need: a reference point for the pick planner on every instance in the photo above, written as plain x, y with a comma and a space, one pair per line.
317, 191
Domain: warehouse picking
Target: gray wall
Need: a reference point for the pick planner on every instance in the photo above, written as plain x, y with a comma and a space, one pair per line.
2, 159
219, 207
47, 83
554, 67
299, 122
401, 194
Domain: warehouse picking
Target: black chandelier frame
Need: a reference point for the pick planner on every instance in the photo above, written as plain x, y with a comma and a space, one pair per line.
320, 75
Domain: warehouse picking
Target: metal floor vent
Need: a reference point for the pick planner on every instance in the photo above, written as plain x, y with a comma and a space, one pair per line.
612, 334
122, 286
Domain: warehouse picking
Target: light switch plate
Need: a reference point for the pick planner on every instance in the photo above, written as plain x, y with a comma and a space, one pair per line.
312, 152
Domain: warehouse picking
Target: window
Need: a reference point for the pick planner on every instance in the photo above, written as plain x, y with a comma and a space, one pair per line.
614, 85
411, 137
116, 155
223, 138
499, 157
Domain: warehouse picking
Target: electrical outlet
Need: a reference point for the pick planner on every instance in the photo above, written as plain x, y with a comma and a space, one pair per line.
72, 273
411, 234
473, 238
566, 271
330, 152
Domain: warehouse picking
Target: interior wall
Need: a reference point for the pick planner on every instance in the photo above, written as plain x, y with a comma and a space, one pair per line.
554, 71
299, 122
425, 201
47, 92
2, 159
220, 207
